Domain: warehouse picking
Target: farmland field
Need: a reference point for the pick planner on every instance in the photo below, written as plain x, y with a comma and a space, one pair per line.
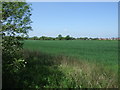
72, 63
105, 52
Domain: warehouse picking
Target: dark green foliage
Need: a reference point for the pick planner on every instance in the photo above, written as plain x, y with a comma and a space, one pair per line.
54, 38
40, 71
35, 38
15, 18
15, 23
43, 38
60, 37
67, 37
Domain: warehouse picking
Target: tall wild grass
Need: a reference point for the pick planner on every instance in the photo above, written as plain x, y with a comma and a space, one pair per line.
47, 71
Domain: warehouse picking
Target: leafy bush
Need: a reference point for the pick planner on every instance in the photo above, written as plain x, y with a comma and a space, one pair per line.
15, 23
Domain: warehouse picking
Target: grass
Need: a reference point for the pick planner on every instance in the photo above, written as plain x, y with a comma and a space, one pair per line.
103, 52
47, 71
70, 64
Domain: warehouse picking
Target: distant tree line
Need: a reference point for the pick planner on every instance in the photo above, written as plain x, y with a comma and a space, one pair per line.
60, 37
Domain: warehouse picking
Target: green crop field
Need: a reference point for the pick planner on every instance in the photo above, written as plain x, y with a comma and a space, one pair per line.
72, 63
105, 52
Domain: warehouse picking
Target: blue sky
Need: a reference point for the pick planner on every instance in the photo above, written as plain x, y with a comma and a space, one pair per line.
77, 19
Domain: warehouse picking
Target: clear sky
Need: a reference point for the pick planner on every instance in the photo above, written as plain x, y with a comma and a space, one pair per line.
77, 19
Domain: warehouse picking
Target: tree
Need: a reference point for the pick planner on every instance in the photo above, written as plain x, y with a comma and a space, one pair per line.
35, 38
43, 37
15, 22
60, 37
67, 37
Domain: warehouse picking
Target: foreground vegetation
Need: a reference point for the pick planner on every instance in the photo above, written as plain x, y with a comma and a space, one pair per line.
15, 21
46, 71
71, 64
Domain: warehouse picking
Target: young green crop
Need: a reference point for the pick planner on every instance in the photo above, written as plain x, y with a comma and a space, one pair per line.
103, 52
